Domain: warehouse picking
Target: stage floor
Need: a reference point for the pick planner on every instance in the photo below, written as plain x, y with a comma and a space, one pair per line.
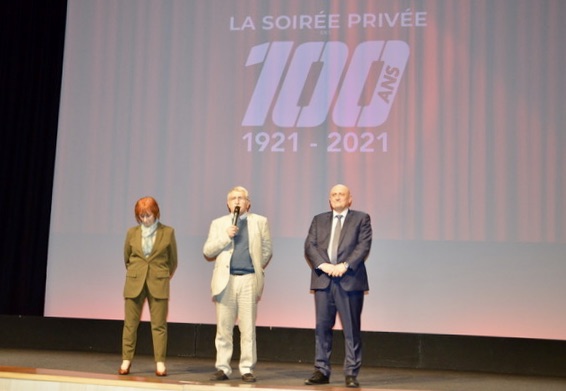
269, 374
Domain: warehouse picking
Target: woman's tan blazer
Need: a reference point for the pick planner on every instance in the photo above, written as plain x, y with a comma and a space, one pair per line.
157, 269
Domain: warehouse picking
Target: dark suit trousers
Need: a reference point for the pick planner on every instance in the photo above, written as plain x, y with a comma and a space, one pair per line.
348, 305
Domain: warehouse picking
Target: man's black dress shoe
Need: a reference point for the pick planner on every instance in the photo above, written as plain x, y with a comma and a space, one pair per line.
352, 382
219, 375
248, 378
317, 378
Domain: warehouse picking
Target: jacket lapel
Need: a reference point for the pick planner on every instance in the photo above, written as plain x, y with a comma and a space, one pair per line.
251, 230
138, 241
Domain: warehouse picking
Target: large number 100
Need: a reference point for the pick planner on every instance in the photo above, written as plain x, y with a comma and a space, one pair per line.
314, 75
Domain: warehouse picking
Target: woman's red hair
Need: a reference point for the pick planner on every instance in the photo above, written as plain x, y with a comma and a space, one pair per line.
146, 205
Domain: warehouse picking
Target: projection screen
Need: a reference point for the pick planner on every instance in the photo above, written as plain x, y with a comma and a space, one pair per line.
445, 119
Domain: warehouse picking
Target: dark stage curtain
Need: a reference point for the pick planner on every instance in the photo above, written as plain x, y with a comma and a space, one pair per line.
32, 39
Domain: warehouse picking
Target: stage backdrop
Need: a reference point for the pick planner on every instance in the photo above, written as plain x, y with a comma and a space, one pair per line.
445, 118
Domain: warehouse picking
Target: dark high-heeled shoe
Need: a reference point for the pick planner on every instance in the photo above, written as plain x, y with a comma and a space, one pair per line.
126, 371
159, 371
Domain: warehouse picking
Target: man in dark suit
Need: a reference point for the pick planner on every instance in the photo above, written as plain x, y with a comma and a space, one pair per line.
336, 248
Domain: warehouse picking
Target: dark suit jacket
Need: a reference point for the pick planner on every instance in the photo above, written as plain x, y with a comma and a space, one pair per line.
353, 248
157, 269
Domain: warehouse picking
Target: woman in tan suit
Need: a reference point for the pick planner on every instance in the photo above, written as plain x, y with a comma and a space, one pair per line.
150, 255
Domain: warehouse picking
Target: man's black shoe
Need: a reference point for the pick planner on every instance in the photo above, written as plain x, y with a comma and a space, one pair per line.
317, 378
219, 375
352, 382
249, 378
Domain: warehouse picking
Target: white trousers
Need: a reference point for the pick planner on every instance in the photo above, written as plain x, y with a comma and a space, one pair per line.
237, 303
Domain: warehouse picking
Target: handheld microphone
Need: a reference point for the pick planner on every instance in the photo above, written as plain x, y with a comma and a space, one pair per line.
236, 215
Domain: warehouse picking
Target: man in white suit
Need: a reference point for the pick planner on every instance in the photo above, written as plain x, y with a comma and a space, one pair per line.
240, 245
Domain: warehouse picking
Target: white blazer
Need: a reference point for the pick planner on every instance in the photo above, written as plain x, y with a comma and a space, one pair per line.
219, 247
